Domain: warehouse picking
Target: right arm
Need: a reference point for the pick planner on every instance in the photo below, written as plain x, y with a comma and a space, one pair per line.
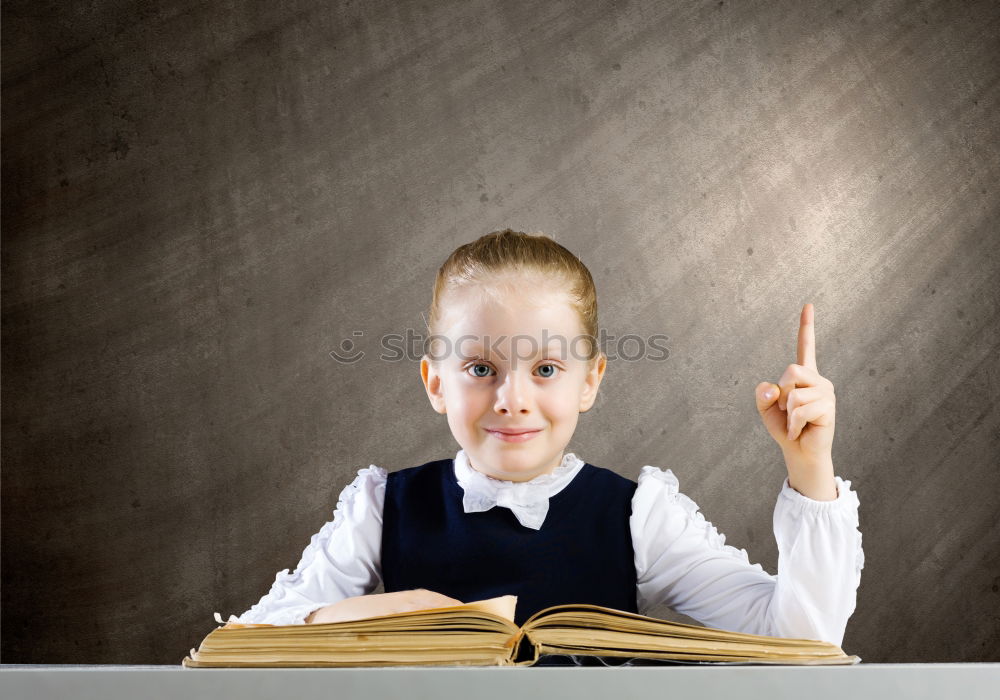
341, 566
341, 561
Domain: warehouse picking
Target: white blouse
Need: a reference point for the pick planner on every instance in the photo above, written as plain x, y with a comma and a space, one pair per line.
681, 560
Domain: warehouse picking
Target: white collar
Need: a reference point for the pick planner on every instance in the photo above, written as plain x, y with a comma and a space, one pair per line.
528, 500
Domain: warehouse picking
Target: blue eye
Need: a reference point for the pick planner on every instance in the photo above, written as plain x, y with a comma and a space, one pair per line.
486, 373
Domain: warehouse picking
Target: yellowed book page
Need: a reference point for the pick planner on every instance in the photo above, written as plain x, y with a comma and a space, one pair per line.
638, 643
502, 606
845, 660
595, 617
470, 656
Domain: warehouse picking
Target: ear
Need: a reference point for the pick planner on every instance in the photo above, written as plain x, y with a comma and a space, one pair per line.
592, 381
432, 384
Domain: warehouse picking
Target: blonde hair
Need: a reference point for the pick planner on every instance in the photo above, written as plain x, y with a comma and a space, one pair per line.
490, 261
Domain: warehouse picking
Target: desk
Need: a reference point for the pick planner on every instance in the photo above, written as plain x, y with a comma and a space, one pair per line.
880, 681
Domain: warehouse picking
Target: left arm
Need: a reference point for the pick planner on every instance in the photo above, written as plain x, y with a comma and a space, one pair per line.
816, 556
683, 562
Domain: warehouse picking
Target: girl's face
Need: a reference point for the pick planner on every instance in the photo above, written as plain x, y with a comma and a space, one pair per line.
493, 375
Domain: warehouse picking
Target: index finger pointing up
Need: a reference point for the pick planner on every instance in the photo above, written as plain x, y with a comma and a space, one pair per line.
807, 337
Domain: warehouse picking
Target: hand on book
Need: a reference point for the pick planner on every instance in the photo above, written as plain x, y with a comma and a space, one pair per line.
372, 605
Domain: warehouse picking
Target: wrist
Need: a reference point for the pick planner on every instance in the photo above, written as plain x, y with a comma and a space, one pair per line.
812, 478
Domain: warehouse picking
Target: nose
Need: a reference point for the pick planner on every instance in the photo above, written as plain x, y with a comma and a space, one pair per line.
513, 397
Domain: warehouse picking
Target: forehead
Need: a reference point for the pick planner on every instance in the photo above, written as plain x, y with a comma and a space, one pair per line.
522, 323
525, 310
470, 346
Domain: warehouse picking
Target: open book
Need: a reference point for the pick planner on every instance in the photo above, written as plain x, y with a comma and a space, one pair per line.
483, 633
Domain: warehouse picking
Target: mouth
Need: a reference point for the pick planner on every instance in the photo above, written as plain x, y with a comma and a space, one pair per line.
519, 435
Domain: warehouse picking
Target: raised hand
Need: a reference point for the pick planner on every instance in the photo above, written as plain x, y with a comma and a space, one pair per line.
799, 413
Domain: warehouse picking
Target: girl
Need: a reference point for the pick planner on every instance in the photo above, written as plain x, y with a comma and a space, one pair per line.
513, 362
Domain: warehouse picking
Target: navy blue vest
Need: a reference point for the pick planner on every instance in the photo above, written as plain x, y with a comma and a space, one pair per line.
582, 553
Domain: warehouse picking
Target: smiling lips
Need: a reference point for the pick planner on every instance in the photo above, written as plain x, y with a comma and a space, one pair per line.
514, 434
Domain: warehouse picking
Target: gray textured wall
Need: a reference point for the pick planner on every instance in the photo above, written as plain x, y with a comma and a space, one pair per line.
201, 200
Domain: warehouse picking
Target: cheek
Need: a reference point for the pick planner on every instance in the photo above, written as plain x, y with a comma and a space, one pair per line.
465, 397
563, 401
565, 423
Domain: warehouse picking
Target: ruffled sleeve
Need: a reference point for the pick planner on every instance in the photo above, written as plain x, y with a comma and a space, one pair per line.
342, 560
683, 562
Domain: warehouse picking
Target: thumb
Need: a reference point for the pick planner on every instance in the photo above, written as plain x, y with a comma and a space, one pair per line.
766, 394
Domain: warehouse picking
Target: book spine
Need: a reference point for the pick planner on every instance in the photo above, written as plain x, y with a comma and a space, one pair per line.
525, 651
